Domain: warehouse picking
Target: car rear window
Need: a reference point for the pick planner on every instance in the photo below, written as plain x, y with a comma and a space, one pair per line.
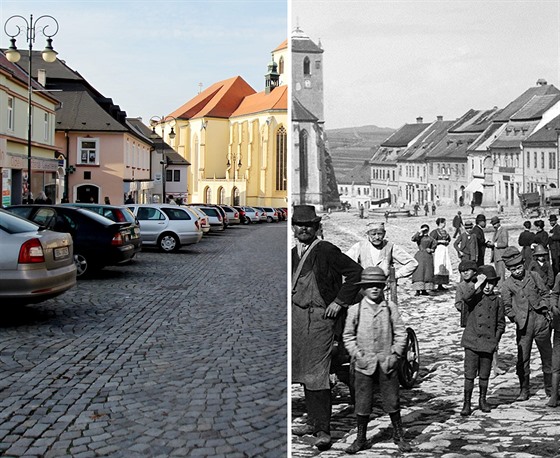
14, 225
210, 211
176, 214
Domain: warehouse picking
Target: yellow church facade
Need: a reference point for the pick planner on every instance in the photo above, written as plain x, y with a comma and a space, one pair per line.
236, 140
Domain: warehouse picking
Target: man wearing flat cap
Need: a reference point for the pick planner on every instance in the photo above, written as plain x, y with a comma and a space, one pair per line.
375, 251
527, 304
467, 244
478, 232
499, 243
323, 286
554, 244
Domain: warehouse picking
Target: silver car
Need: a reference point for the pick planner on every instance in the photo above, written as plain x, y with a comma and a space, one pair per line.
214, 218
35, 264
166, 226
232, 214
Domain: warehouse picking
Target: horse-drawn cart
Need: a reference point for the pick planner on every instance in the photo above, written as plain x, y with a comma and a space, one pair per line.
531, 205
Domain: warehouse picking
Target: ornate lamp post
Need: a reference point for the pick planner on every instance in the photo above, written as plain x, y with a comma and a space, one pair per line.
162, 120
30, 28
236, 157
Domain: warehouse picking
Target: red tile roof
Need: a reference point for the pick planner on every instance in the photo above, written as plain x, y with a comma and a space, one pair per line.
277, 99
217, 101
282, 45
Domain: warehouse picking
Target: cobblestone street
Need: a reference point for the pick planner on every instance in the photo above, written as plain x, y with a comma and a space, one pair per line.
431, 408
180, 354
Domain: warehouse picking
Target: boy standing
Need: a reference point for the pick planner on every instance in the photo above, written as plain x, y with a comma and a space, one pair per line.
527, 303
466, 287
484, 325
375, 337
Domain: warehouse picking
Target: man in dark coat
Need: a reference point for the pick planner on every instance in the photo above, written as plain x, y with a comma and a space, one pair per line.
323, 286
457, 223
554, 244
478, 231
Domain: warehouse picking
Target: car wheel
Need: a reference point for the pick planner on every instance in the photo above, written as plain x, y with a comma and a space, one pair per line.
82, 264
246, 221
269, 219
168, 242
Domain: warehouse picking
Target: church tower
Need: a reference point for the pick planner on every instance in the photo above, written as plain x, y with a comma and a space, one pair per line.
313, 181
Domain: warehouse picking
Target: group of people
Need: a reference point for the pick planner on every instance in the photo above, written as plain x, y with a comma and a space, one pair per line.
341, 296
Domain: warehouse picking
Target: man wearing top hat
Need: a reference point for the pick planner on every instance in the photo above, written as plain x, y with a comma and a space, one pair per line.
323, 286
554, 243
527, 304
498, 244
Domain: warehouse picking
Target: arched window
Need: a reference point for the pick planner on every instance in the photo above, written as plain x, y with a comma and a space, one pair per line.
235, 194
306, 66
281, 158
208, 195
303, 170
281, 65
221, 196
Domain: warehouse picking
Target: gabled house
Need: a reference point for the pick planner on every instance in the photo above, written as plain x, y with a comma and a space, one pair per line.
354, 186
104, 155
414, 183
385, 175
46, 170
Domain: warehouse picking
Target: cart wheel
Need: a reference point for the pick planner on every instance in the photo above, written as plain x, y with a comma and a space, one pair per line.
409, 365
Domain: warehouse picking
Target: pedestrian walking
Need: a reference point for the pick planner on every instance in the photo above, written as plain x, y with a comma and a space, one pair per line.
323, 285
473, 204
423, 276
498, 244
416, 209
442, 260
386, 216
375, 337
554, 244
107, 200
478, 232
555, 377
426, 209
525, 241
361, 211
467, 244
129, 199
457, 224
527, 304
484, 325
541, 236
375, 251
541, 266
433, 208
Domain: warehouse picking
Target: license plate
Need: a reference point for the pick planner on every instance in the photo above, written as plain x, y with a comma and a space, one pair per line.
62, 252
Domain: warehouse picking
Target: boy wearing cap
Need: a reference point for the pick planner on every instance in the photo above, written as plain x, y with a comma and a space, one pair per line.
541, 266
467, 244
465, 288
375, 337
527, 303
484, 325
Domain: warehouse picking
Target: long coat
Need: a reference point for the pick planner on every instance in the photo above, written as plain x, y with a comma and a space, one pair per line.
423, 276
334, 278
485, 322
501, 242
526, 239
467, 247
478, 232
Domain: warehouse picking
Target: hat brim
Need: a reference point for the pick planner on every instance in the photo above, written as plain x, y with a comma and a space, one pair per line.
307, 221
516, 260
369, 282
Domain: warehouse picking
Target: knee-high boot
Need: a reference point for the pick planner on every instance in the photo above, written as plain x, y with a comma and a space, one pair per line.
553, 401
524, 388
361, 441
398, 434
482, 404
467, 409
547, 383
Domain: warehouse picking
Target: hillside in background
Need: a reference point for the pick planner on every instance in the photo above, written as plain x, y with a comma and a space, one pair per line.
353, 146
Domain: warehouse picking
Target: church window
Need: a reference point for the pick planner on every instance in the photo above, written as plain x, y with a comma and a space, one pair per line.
281, 65
303, 163
306, 66
317, 64
281, 159
208, 196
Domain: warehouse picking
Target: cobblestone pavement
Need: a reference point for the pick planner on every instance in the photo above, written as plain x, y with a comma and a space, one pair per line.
431, 408
180, 354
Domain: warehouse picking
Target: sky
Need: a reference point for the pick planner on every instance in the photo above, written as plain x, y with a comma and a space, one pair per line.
150, 56
388, 62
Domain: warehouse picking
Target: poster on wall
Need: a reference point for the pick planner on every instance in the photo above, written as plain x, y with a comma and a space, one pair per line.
6, 187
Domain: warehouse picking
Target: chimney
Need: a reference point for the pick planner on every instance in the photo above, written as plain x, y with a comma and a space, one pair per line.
440, 118
42, 76
419, 120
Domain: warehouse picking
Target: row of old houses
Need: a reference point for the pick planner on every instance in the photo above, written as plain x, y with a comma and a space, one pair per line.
226, 145
484, 157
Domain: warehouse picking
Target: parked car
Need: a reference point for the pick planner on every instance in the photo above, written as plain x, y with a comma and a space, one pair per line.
232, 214
225, 218
214, 218
269, 214
117, 213
252, 215
202, 218
166, 226
35, 264
242, 217
98, 241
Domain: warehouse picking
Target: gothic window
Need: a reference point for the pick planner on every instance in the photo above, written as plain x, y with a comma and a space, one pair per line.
281, 65
306, 66
208, 196
281, 159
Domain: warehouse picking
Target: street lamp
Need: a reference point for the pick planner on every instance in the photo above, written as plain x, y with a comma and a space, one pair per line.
13, 55
162, 120
236, 156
